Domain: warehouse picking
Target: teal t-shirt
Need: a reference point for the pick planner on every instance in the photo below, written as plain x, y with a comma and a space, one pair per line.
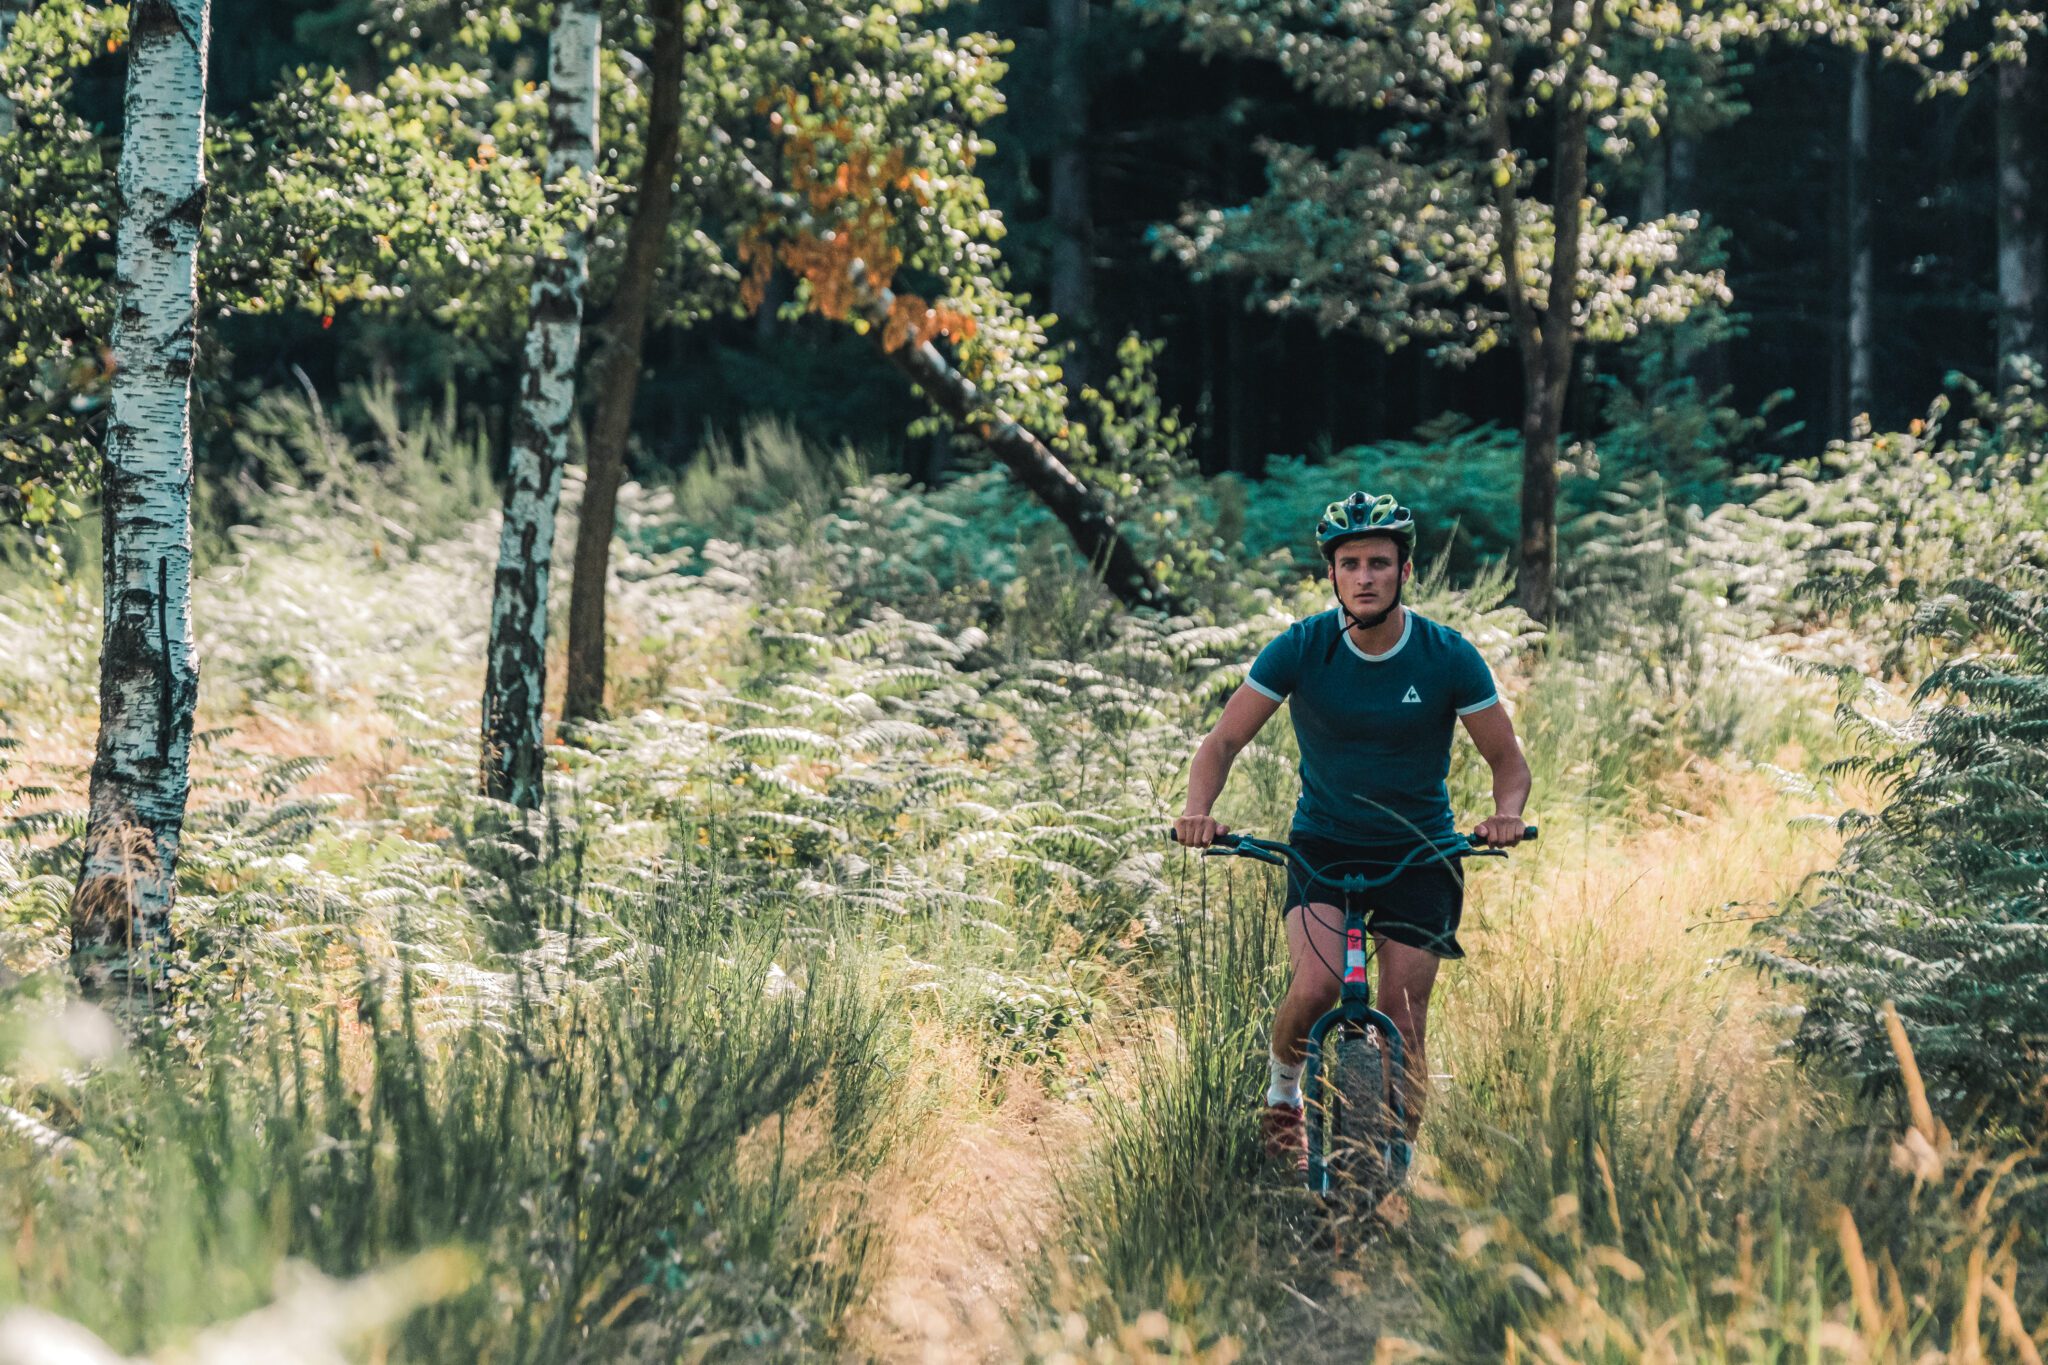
1375, 729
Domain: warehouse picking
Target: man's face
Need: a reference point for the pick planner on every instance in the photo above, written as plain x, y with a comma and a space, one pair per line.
1367, 573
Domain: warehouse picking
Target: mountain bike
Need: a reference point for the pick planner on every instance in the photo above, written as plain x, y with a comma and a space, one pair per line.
1351, 1085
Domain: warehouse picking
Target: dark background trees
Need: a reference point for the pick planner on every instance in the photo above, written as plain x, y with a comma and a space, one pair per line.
1158, 129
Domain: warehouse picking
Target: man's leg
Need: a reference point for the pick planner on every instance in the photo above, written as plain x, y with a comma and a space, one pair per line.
1315, 945
1407, 975
1314, 936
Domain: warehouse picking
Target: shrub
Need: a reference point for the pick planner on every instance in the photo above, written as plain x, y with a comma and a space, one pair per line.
1940, 900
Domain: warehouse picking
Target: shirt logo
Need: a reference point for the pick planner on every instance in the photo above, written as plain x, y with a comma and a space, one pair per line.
1413, 695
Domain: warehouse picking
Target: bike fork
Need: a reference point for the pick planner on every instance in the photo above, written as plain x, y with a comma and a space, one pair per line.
1358, 1022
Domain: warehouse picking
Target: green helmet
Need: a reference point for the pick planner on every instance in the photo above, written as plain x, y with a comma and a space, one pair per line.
1365, 514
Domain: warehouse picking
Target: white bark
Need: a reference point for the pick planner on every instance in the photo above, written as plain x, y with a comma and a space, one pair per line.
515, 684
120, 917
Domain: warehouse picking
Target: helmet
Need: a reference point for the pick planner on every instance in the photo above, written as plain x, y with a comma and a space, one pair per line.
1365, 514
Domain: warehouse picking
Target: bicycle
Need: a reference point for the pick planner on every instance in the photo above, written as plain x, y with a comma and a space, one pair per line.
1367, 1145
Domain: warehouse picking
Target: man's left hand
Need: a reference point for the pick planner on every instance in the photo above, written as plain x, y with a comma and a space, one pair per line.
1500, 831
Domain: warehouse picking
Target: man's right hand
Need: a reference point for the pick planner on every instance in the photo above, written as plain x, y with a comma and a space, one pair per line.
1197, 831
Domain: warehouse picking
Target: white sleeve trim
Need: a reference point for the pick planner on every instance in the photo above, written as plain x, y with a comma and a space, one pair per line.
1262, 689
1493, 700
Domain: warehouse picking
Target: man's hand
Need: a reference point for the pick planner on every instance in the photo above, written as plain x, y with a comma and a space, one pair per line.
1499, 831
1197, 831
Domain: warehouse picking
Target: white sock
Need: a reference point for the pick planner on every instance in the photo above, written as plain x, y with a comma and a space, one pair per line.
1285, 1086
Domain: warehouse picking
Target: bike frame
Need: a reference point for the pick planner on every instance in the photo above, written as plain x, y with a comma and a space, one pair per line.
1354, 1002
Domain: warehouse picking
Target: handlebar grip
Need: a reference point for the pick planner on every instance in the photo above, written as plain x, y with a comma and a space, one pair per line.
1529, 833
1220, 841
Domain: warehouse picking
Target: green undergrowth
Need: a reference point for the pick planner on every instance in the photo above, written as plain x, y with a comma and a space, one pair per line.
887, 777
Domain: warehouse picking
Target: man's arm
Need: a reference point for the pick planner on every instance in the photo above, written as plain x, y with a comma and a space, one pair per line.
1247, 710
1494, 733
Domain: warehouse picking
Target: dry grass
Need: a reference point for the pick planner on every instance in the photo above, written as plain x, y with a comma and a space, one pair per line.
1619, 932
969, 1200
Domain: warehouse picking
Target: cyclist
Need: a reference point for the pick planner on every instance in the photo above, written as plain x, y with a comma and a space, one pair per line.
1372, 688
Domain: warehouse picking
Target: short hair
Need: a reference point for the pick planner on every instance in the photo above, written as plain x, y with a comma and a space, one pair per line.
1403, 550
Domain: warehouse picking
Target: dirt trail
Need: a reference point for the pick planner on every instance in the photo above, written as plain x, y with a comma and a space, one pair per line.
969, 1212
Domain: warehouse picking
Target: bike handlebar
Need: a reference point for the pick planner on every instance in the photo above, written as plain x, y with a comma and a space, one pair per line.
1279, 855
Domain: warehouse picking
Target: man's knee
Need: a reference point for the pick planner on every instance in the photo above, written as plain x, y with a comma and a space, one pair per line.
1314, 989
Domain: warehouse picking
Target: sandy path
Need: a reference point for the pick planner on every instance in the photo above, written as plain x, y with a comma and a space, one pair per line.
970, 1211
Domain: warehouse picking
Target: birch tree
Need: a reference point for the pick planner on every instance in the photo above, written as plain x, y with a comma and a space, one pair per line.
121, 912
515, 682
796, 88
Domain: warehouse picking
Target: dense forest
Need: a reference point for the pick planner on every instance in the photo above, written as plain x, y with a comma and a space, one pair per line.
606, 612
1857, 218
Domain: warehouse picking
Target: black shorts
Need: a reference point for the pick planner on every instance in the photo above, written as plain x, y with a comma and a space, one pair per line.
1420, 908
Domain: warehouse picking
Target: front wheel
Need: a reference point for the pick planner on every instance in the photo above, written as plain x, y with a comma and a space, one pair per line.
1361, 1116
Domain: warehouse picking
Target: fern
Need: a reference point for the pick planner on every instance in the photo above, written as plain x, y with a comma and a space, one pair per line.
1940, 899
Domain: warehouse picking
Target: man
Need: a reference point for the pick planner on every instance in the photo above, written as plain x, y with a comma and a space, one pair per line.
1372, 687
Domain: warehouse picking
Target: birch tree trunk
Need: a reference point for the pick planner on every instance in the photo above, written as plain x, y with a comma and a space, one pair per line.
2022, 231
1073, 251
515, 680
1862, 331
149, 677
620, 385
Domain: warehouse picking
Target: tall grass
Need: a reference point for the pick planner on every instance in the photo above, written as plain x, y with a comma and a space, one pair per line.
1175, 1197
657, 1144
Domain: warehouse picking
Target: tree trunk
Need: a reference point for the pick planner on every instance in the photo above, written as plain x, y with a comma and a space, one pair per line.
1079, 508
2022, 231
515, 680
1654, 200
1237, 389
1237, 349
149, 677
620, 383
1862, 331
1708, 368
1547, 364
1073, 251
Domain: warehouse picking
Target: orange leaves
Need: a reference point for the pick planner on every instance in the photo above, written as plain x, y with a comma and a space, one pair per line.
845, 225
912, 322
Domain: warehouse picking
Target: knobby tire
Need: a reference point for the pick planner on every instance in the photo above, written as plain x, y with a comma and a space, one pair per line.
1361, 1120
